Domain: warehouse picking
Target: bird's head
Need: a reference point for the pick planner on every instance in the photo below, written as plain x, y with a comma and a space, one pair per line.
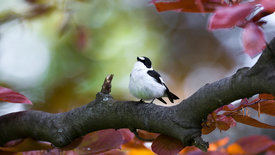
145, 61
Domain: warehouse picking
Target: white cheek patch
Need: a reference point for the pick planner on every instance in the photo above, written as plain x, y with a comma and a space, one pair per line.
141, 58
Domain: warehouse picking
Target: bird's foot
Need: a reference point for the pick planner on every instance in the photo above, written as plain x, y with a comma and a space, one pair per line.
141, 101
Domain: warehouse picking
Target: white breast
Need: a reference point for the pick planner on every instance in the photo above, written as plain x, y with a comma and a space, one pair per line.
142, 85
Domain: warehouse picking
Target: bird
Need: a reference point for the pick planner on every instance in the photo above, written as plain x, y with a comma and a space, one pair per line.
146, 84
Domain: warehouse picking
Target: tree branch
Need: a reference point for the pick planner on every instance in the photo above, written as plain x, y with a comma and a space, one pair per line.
182, 121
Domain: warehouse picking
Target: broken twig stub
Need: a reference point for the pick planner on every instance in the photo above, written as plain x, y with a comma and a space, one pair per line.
106, 87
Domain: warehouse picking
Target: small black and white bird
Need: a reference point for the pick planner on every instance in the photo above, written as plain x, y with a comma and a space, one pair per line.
146, 84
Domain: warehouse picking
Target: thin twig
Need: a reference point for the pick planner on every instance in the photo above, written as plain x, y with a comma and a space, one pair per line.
106, 87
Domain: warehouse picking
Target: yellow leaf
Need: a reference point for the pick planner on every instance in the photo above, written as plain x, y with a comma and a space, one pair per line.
28, 144
235, 149
143, 151
218, 144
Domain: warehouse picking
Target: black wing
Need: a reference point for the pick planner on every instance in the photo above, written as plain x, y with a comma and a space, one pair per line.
155, 75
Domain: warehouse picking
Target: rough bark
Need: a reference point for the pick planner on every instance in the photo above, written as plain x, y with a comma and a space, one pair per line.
182, 121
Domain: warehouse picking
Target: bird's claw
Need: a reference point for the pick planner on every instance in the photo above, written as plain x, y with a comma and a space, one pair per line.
141, 101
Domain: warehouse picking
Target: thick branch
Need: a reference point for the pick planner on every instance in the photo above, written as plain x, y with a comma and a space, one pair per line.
182, 121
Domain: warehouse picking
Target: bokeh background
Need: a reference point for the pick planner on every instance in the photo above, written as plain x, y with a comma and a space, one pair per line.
57, 53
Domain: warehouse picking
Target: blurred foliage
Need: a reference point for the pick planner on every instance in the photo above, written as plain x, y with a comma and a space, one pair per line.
88, 40
95, 45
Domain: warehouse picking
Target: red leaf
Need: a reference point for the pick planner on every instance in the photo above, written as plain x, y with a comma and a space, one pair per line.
267, 107
269, 5
127, 135
188, 5
270, 153
227, 17
250, 121
224, 122
272, 148
231, 107
73, 144
9, 95
253, 39
255, 144
13, 142
208, 129
164, 145
210, 124
35, 152
200, 5
71, 153
100, 141
266, 96
113, 152
147, 135
139, 144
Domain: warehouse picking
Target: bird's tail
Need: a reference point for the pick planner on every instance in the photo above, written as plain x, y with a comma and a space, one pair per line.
171, 96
